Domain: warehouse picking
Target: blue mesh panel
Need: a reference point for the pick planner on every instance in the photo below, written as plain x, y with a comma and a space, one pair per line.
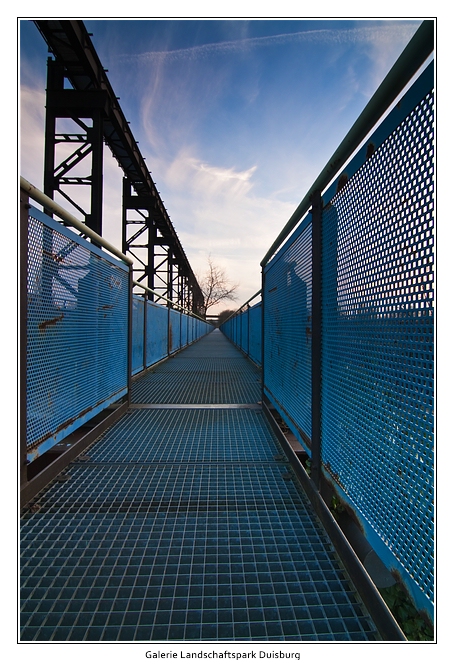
138, 313
244, 340
174, 331
245, 331
288, 329
255, 333
77, 331
184, 329
377, 400
157, 332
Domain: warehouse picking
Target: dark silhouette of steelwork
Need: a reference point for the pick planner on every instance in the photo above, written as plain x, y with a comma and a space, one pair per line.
93, 108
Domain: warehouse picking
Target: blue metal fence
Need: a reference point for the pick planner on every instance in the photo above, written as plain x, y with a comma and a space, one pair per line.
244, 329
165, 331
77, 330
157, 322
364, 267
78, 346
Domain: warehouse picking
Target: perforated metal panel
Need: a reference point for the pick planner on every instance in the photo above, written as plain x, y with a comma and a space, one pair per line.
245, 331
378, 318
77, 331
174, 331
287, 334
377, 375
184, 329
255, 333
244, 336
157, 332
138, 330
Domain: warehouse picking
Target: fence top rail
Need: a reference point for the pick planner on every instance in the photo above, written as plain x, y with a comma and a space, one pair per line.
417, 51
244, 304
70, 219
160, 296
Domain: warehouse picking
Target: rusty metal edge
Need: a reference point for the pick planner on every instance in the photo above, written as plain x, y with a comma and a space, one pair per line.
385, 622
31, 488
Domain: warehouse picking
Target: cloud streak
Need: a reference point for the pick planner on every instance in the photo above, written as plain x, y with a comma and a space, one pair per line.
354, 36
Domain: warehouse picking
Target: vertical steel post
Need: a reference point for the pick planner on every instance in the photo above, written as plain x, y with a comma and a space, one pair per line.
95, 136
145, 329
262, 324
169, 274
181, 333
316, 336
152, 239
248, 330
130, 311
169, 331
23, 279
55, 82
124, 216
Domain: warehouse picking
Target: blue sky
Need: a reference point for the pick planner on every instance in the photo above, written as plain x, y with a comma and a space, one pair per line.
236, 118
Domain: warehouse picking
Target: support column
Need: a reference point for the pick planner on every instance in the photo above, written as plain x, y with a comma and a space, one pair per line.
95, 137
86, 142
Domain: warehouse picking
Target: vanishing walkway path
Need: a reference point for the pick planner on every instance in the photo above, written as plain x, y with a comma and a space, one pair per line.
184, 521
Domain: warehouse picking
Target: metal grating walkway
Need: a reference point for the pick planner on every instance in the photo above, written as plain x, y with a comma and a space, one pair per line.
185, 523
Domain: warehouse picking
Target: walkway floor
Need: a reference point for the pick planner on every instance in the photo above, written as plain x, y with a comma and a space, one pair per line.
184, 521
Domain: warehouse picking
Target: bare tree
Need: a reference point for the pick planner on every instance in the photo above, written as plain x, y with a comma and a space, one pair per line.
224, 315
215, 286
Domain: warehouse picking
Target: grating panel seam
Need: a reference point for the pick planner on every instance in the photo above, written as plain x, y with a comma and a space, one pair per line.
221, 546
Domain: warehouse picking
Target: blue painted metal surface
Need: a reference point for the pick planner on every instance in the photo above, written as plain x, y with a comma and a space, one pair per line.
185, 525
287, 294
378, 338
376, 417
76, 330
157, 332
174, 331
138, 322
245, 331
377, 380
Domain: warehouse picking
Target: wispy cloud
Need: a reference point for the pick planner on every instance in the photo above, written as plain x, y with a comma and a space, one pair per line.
32, 136
366, 34
219, 213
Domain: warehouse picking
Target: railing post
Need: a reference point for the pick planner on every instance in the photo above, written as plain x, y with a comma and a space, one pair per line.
181, 333
262, 324
24, 208
248, 330
130, 311
169, 331
316, 336
145, 328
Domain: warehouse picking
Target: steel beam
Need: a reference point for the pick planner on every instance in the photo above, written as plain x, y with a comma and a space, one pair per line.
76, 61
75, 105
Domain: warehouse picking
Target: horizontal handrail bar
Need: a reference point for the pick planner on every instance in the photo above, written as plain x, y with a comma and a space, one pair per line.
160, 296
411, 59
244, 304
51, 205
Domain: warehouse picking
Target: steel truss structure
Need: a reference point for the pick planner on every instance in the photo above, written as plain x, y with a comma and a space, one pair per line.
92, 109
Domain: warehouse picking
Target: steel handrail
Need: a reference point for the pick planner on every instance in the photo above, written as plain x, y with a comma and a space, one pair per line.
70, 219
241, 307
160, 296
411, 59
